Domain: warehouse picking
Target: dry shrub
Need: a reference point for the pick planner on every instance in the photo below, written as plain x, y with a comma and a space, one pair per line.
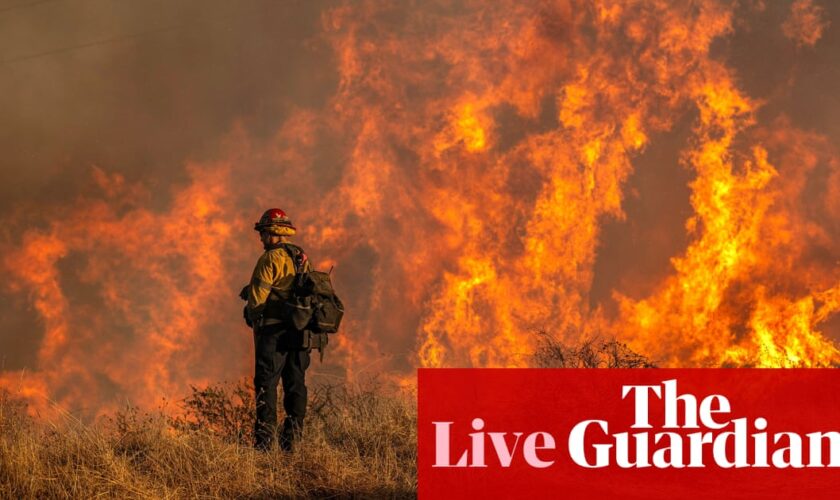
225, 411
589, 353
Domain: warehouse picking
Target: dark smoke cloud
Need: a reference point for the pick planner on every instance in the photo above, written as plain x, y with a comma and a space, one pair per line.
138, 87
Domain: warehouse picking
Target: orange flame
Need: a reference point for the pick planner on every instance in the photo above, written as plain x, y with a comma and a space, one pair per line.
475, 154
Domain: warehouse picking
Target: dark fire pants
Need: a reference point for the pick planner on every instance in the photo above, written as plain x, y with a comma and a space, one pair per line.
278, 356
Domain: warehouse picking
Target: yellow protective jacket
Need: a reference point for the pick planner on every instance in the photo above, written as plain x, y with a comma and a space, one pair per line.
275, 272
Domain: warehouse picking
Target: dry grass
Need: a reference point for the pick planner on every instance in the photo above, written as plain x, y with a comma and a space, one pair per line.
358, 442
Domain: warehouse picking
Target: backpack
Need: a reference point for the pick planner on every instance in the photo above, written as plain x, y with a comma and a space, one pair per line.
312, 303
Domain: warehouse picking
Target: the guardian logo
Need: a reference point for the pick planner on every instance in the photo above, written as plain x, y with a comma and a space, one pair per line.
693, 434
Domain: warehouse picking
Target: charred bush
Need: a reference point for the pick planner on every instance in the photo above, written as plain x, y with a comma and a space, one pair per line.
589, 353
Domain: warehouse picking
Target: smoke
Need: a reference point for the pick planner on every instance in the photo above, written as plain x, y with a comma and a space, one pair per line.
107, 104
806, 23
475, 173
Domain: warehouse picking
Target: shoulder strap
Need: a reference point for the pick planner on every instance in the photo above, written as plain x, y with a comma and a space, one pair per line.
296, 254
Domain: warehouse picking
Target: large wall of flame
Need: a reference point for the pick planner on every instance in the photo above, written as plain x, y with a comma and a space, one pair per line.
662, 172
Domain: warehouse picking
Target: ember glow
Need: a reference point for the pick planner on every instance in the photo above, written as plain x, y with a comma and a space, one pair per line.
465, 174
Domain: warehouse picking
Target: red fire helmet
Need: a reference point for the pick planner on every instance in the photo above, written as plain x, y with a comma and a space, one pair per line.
273, 217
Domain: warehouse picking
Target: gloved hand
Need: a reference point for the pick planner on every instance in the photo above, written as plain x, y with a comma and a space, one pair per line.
244, 293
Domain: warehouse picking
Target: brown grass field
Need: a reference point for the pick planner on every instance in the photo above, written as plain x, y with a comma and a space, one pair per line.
359, 441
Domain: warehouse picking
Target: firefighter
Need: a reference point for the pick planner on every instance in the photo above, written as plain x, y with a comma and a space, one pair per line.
281, 352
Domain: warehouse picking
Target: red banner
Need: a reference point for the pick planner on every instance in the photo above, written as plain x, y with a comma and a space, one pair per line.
641, 433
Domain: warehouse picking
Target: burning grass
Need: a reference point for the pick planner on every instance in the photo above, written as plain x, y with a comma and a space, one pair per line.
359, 441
